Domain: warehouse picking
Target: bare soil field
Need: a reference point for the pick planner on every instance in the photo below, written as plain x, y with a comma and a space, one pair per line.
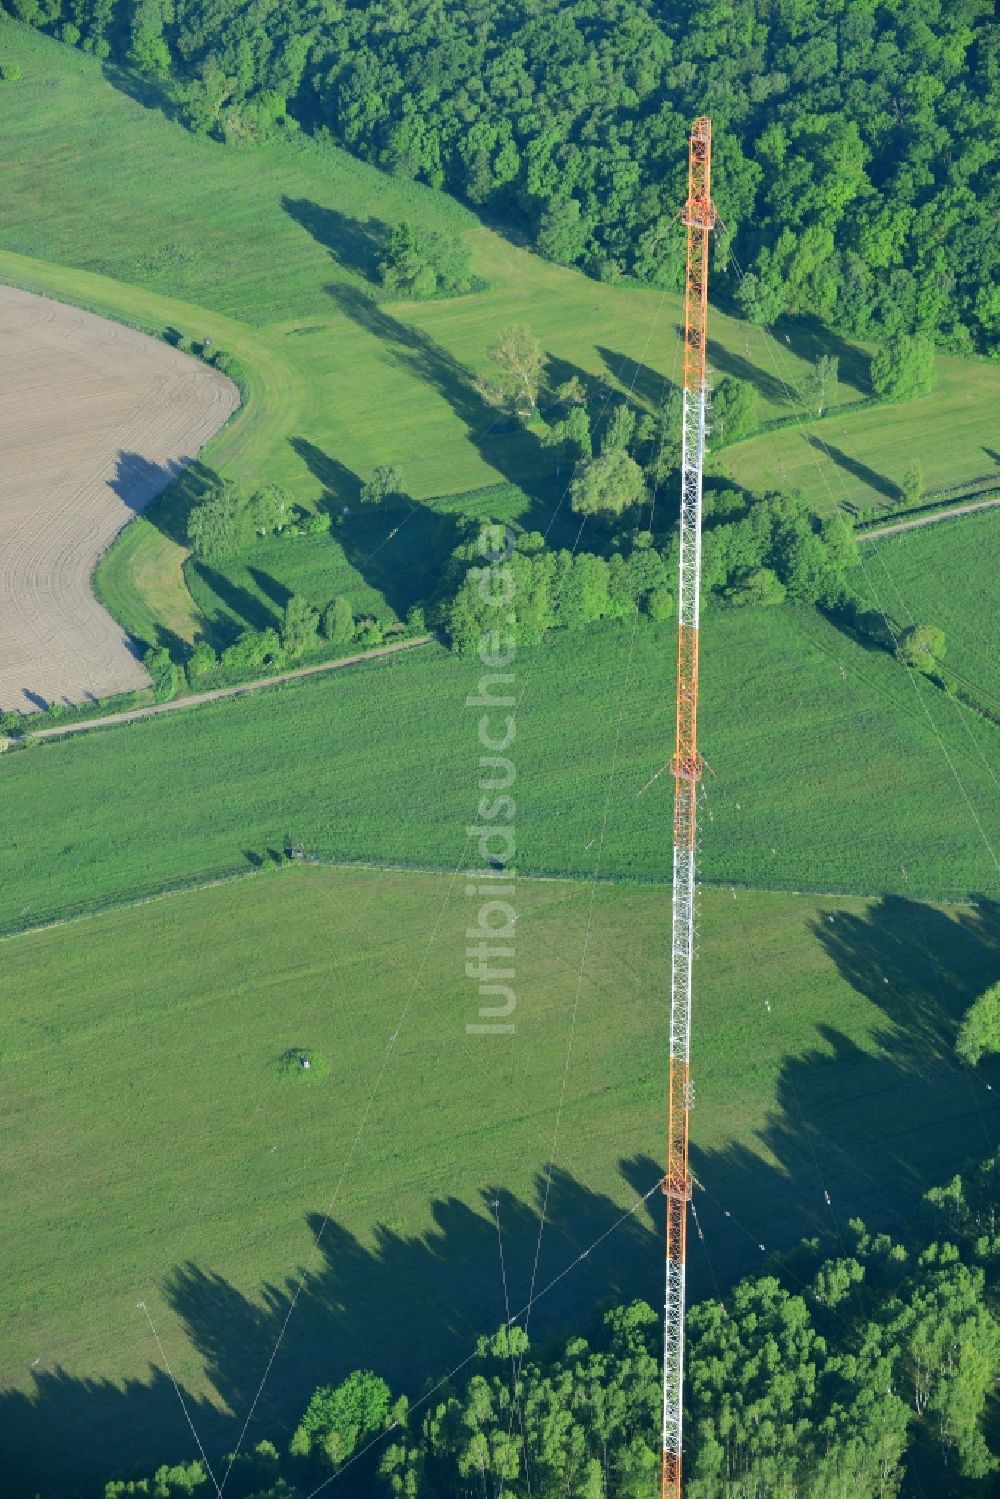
95, 419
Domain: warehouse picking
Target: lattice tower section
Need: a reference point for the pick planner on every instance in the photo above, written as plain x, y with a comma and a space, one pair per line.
699, 216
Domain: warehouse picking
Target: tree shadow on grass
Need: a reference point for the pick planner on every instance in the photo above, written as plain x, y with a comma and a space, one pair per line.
226, 607
408, 1306
398, 546
741, 367
383, 1306
270, 587
137, 480
169, 507
357, 246
513, 450
558, 371
809, 337
151, 93
854, 467
872, 1129
636, 380
851, 1131
341, 485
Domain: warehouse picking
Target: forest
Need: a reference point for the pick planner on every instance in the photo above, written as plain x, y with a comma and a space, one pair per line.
855, 149
820, 1378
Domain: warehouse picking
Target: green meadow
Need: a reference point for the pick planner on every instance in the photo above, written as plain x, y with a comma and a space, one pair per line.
157, 1154
945, 574
860, 457
338, 381
820, 757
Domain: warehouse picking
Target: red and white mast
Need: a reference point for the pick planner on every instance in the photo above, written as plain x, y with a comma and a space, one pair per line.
699, 216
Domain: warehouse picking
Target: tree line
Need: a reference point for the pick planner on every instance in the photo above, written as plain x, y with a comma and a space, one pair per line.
757, 550
823, 1378
855, 144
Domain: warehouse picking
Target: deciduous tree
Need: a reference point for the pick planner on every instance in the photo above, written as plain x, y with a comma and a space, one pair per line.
338, 1416
299, 627
818, 383
921, 646
903, 368
521, 361
386, 480
980, 1030
607, 485
338, 621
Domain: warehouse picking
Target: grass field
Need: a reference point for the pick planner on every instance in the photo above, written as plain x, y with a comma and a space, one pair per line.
821, 754
354, 560
154, 1152
338, 383
946, 575
860, 458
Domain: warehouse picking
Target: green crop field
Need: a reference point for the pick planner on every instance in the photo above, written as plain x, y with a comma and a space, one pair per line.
155, 1152
945, 575
821, 755
337, 381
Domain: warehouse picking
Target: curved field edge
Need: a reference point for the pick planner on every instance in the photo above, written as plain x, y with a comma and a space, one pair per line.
215, 1168
139, 578
821, 755
179, 212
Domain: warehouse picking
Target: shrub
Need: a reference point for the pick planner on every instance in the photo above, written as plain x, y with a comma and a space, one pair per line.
419, 263
660, 605
203, 661
299, 627
368, 633
980, 1030
302, 1064
229, 520
337, 1417
338, 621
921, 646
164, 672
609, 484
760, 585
385, 481
734, 409
251, 651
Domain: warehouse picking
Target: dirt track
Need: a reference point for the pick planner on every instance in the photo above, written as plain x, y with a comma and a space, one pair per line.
95, 419
926, 520
196, 699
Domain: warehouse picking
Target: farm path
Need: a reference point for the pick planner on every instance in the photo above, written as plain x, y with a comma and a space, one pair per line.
926, 520
95, 421
196, 699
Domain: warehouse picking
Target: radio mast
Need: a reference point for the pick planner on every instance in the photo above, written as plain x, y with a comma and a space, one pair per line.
699, 216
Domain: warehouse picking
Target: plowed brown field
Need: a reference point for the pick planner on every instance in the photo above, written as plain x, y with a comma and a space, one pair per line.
95, 419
